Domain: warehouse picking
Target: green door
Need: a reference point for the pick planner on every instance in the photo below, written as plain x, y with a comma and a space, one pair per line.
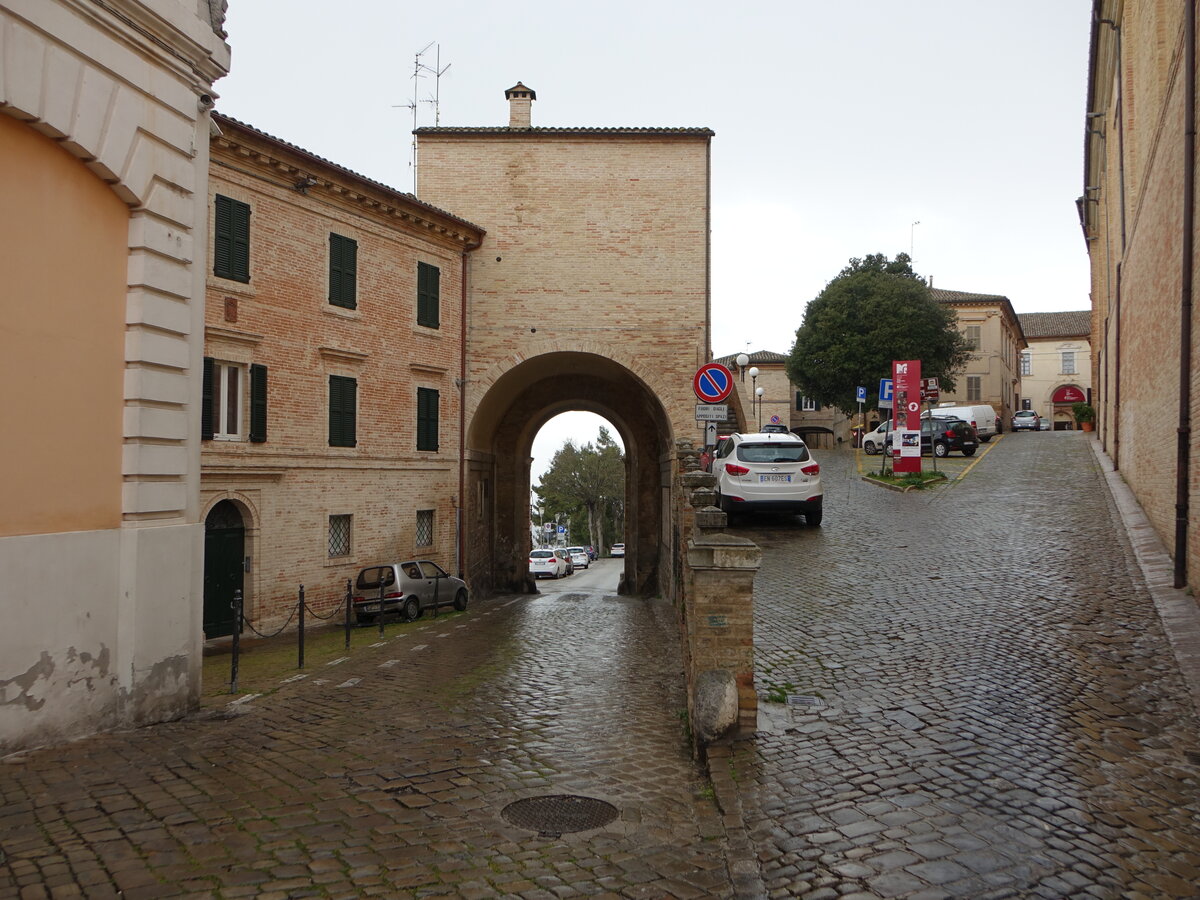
224, 556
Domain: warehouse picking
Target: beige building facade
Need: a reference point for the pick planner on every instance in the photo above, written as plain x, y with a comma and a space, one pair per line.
104, 143
333, 350
994, 331
1137, 210
589, 292
1056, 366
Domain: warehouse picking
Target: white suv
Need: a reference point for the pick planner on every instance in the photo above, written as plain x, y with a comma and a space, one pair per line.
771, 472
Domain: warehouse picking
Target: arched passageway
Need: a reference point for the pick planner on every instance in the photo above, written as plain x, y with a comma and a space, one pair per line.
499, 442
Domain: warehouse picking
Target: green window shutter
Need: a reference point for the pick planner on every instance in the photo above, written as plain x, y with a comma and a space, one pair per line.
258, 404
206, 401
231, 239
428, 295
343, 400
343, 271
427, 419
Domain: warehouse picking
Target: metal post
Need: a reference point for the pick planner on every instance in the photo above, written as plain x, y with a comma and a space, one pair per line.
300, 662
237, 633
381, 580
348, 605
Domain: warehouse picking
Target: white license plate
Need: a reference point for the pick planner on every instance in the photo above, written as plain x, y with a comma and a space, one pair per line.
774, 479
368, 607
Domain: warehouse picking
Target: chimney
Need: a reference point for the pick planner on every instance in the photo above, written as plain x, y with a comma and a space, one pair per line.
520, 103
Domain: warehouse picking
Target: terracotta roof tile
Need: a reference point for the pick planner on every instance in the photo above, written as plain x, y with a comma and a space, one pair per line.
1075, 323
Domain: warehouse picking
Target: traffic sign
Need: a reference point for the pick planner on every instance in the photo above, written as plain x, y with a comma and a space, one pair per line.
712, 412
885, 393
930, 390
862, 394
713, 383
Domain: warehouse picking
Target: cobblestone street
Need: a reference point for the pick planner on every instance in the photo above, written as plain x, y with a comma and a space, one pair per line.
967, 692
983, 700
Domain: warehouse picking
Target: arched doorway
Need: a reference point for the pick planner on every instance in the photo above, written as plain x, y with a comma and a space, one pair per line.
224, 566
499, 443
1063, 398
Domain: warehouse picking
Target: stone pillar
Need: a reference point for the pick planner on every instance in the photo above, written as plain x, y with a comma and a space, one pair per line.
717, 610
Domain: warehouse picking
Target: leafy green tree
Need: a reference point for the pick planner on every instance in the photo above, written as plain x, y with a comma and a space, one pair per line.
587, 484
876, 310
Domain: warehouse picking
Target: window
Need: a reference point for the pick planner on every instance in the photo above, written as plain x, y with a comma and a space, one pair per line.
427, 419
339, 535
424, 528
223, 402
428, 295
974, 389
973, 336
1026, 362
231, 240
807, 404
343, 271
343, 411
1068, 362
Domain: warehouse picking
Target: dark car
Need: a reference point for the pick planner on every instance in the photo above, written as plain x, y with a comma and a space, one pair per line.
944, 436
1026, 420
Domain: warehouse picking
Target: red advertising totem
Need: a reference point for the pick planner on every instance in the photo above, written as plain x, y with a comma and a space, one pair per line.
906, 398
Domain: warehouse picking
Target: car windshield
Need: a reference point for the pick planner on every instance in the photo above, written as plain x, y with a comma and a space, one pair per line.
541, 554
773, 452
369, 578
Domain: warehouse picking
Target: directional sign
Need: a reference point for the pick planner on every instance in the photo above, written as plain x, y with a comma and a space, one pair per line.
713, 383
885, 393
930, 390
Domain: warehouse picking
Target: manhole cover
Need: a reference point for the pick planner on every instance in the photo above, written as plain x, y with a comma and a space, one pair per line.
556, 814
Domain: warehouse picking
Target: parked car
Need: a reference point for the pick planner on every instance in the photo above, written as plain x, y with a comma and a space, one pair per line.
546, 564
981, 417
768, 471
579, 557
409, 588
1026, 420
617, 550
942, 436
872, 441
591, 551
562, 554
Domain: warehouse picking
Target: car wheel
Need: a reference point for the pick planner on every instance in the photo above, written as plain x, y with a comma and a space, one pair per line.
969, 451
869, 448
814, 518
460, 599
940, 449
411, 609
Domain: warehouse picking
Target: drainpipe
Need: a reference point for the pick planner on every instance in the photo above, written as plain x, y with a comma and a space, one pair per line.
462, 413
1183, 441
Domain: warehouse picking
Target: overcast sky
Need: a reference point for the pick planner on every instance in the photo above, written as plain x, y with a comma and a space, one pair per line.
838, 125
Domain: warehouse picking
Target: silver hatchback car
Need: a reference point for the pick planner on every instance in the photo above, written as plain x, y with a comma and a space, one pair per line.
409, 588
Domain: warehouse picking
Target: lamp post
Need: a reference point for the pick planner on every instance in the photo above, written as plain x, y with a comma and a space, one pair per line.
754, 392
742, 361
758, 395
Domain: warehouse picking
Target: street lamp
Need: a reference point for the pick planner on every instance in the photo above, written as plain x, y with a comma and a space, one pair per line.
753, 385
758, 395
742, 361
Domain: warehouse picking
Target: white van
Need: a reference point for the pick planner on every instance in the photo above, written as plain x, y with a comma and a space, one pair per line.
984, 418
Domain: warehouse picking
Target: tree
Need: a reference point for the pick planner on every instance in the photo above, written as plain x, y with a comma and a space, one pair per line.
876, 310
587, 483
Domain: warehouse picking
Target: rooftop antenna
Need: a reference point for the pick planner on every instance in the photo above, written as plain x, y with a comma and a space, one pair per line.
419, 70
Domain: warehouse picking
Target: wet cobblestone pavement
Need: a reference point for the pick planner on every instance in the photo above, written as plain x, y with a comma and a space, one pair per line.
387, 775
981, 702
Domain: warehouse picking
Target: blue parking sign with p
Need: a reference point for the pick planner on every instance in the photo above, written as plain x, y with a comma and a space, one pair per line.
862, 395
885, 392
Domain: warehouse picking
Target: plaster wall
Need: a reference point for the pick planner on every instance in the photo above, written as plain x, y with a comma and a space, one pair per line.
118, 86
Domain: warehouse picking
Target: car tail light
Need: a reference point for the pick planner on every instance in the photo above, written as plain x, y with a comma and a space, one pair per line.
949, 433
393, 595
735, 469
813, 469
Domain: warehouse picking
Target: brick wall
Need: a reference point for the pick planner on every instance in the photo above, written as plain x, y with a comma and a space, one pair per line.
288, 486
